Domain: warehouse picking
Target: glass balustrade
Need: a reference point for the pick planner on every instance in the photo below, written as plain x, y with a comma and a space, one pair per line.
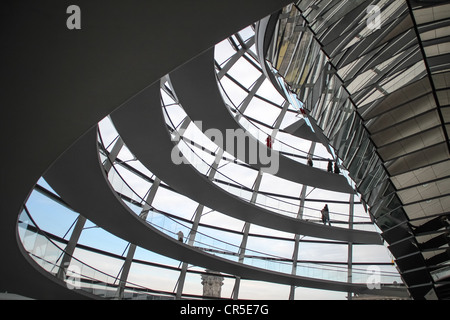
48, 253
170, 226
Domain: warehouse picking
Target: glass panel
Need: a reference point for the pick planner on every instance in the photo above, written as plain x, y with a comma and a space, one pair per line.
245, 72
359, 160
50, 215
358, 137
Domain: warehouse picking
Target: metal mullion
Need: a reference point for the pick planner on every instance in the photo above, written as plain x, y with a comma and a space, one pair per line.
295, 56
132, 247
197, 216
351, 129
315, 72
76, 233
379, 101
296, 46
249, 60
319, 65
231, 61
337, 122
382, 49
322, 11
386, 73
358, 155
297, 236
233, 44
363, 49
246, 231
350, 245
342, 24
239, 39
311, 47
248, 91
255, 87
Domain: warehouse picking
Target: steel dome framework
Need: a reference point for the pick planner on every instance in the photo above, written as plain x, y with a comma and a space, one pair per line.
372, 100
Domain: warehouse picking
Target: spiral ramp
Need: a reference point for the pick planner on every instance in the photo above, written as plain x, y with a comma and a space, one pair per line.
63, 147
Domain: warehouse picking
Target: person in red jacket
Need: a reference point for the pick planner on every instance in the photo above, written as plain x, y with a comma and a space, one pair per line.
269, 142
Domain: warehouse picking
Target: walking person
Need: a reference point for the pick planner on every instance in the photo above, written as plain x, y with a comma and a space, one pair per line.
180, 236
336, 168
310, 162
269, 142
325, 215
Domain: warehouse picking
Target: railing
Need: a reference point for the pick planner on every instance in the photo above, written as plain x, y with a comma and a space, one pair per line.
170, 226
283, 147
268, 202
48, 253
278, 144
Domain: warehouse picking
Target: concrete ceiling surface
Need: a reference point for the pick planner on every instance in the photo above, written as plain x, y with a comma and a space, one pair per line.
58, 83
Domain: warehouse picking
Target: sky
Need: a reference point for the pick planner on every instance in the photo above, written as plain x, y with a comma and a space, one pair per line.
58, 220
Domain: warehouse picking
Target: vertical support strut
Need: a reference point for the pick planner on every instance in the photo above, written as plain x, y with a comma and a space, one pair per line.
132, 247
81, 221
297, 236
243, 106
246, 230
196, 221
112, 156
70, 248
234, 58
297, 241
350, 244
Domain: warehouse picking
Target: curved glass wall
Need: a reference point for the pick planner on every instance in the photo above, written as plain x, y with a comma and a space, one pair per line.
101, 257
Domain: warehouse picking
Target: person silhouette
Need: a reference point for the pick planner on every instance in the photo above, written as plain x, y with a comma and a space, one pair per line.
336, 168
325, 215
310, 162
269, 142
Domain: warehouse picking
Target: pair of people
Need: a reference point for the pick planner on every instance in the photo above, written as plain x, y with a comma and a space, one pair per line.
330, 167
